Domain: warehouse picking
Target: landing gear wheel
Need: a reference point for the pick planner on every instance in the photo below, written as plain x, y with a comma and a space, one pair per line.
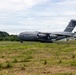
21, 41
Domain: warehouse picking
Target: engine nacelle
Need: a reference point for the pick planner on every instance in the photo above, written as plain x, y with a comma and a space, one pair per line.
47, 36
41, 35
53, 36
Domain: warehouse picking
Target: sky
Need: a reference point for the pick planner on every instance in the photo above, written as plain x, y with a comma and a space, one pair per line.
36, 15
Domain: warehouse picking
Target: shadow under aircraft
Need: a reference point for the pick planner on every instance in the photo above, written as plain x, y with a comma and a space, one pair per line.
47, 36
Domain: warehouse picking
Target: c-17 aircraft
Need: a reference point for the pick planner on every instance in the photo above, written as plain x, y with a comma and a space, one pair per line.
48, 37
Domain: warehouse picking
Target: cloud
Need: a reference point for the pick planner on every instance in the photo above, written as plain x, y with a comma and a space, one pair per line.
18, 5
67, 2
70, 13
36, 15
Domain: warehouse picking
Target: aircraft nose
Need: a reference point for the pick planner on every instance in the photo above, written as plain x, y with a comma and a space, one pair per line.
19, 36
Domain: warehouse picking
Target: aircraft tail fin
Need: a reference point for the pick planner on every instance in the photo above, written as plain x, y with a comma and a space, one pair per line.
70, 26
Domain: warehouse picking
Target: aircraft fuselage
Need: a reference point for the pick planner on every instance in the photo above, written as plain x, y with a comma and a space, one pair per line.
48, 37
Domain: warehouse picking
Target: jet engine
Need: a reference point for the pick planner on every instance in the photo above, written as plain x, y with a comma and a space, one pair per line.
52, 36
41, 35
46, 36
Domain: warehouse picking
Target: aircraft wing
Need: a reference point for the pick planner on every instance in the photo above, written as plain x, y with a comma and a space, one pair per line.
57, 33
63, 34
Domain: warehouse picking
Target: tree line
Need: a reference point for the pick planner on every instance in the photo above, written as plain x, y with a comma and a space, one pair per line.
4, 36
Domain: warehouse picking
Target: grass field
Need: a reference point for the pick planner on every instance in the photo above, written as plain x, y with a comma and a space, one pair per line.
35, 58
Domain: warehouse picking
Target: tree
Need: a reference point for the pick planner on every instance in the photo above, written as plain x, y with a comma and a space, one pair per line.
4, 36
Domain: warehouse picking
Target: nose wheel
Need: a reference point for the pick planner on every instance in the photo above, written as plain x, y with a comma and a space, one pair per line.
21, 41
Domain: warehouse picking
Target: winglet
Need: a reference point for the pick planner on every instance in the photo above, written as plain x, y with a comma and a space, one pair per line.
70, 26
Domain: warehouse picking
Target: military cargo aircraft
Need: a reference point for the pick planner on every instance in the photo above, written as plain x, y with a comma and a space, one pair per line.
48, 37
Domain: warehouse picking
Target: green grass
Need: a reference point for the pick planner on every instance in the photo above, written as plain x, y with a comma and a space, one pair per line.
35, 58
63, 74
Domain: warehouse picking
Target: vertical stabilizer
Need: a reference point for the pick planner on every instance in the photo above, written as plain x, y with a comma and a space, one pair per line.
70, 26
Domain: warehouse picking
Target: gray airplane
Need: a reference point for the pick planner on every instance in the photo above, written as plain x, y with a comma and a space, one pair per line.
48, 37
